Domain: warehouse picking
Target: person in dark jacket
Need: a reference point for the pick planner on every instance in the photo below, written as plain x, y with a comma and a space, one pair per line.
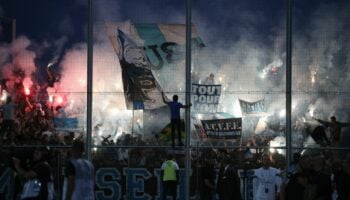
335, 129
228, 186
175, 120
342, 181
207, 179
37, 179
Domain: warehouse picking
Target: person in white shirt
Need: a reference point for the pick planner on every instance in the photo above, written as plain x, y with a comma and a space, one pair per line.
209, 80
267, 181
79, 178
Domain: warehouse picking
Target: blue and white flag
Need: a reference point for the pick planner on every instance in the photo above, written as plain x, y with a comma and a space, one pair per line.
141, 89
150, 55
164, 44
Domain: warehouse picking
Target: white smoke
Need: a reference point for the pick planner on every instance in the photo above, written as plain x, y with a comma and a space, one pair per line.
21, 56
109, 109
17, 56
4, 54
236, 67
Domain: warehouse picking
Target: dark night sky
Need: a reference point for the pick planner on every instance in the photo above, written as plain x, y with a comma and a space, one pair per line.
49, 20
46, 20
220, 23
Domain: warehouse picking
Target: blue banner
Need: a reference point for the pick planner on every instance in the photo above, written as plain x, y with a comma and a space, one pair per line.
69, 123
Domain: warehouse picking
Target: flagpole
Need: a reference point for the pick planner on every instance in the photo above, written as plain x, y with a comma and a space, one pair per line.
13, 26
89, 80
13, 29
132, 124
188, 98
289, 82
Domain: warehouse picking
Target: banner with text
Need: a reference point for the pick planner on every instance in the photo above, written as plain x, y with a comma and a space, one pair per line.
205, 98
257, 107
223, 128
118, 183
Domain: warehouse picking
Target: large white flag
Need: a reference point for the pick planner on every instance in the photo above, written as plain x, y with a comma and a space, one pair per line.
149, 54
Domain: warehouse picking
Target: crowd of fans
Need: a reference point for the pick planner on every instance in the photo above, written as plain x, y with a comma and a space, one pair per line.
30, 114
34, 123
318, 172
311, 172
